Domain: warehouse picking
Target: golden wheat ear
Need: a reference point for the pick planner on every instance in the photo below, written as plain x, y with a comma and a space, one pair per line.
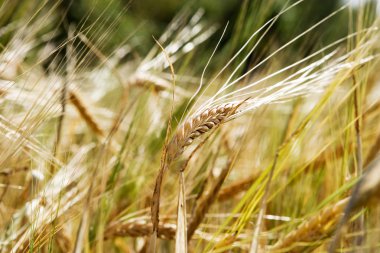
199, 124
313, 230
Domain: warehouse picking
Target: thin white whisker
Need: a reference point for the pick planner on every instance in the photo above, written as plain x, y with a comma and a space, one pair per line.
205, 68
281, 48
247, 43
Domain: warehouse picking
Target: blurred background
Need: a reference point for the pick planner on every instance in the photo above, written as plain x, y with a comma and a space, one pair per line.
136, 22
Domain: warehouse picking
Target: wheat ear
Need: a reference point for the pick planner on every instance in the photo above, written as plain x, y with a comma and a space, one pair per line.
192, 128
198, 125
140, 229
82, 108
317, 228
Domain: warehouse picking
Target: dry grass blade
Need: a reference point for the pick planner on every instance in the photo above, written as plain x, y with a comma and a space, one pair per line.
373, 151
82, 231
181, 234
63, 240
360, 223
236, 188
255, 241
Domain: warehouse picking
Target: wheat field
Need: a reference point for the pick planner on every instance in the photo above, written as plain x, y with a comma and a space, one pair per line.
255, 134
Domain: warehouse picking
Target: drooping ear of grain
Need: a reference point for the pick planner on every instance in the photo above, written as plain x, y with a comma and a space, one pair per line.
76, 100
198, 125
311, 231
192, 128
139, 228
324, 224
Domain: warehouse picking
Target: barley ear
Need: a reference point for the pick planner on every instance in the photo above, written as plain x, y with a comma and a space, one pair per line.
84, 112
199, 124
315, 229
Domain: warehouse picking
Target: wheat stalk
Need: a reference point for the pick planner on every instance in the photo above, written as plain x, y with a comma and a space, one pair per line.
365, 192
181, 233
206, 200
